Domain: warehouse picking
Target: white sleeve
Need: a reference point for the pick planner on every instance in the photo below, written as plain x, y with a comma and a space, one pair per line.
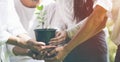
106, 4
73, 30
10, 49
4, 35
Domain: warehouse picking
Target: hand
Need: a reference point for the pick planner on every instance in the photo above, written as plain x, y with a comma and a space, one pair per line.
35, 45
39, 46
60, 37
42, 53
61, 54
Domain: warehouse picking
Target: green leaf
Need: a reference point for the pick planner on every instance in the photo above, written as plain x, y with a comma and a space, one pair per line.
37, 13
40, 7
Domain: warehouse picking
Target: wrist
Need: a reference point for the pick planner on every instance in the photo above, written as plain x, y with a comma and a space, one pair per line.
22, 43
14, 40
30, 43
25, 43
66, 48
67, 36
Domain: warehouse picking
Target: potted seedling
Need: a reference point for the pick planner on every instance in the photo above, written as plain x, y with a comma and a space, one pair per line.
43, 33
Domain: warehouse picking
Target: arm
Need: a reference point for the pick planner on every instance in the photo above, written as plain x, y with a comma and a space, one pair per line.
116, 29
20, 51
17, 41
25, 42
116, 19
93, 25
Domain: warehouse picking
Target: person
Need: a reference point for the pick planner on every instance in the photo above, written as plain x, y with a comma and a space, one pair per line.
115, 35
25, 10
95, 46
12, 32
89, 17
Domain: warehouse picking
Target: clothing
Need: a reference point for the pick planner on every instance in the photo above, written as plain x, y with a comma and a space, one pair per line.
117, 57
29, 22
92, 50
60, 16
9, 25
116, 29
95, 48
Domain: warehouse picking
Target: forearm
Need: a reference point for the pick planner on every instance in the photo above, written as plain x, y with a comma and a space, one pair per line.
19, 42
20, 51
94, 24
13, 40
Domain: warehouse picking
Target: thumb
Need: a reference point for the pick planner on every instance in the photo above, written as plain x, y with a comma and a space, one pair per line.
40, 43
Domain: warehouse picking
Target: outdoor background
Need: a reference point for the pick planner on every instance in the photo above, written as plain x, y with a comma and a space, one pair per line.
111, 46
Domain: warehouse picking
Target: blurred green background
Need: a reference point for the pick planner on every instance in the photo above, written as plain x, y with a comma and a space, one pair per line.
111, 46
112, 49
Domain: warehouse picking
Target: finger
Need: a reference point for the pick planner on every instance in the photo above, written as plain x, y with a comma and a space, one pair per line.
56, 36
52, 39
58, 33
47, 47
60, 40
54, 43
40, 44
52, 53
57, 40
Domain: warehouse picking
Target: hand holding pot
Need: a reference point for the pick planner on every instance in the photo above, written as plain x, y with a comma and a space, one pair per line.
59, 38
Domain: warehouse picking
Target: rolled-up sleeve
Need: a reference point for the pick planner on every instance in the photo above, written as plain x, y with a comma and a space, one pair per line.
106, 4
73, 30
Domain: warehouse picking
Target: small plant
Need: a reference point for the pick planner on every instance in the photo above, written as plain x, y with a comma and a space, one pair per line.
40, 13
43, 33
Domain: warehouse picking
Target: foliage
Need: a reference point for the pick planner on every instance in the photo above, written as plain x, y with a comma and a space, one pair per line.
112, 47
40, 15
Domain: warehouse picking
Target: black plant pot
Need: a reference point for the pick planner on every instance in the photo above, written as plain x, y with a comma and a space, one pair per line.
44, 35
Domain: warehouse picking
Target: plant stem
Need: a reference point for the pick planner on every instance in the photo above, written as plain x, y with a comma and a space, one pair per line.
42, 25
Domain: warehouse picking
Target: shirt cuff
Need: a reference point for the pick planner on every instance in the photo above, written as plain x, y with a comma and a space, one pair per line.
106, 4
73, 31
4, 36
117, 40
10, 49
